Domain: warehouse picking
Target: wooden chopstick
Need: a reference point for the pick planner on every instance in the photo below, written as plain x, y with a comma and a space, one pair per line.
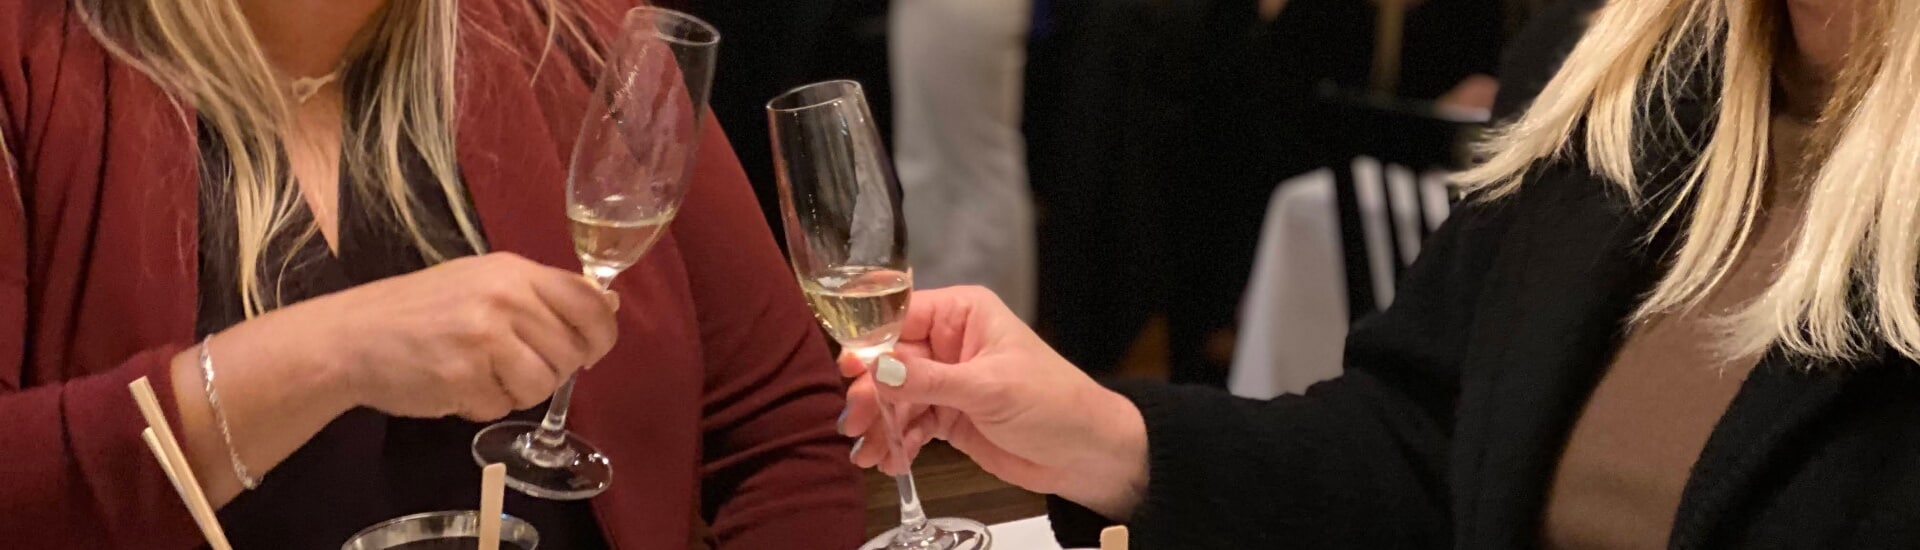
160, 454
175, 462
493, 485
1113, 538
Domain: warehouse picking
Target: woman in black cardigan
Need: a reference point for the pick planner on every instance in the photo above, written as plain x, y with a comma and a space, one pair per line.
1679, 310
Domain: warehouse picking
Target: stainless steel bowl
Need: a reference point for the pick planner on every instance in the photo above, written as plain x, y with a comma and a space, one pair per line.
433, 526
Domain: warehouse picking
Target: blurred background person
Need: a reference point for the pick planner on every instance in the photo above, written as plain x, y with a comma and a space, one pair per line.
958, 68
1088, 124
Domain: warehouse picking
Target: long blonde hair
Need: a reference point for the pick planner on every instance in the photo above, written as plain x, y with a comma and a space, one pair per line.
1849, 280
404, 62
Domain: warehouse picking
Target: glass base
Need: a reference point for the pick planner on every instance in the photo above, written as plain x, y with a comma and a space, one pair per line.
941, 534
574, 470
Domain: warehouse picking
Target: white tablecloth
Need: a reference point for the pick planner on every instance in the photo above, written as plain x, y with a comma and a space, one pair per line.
1034, 533
1293, 316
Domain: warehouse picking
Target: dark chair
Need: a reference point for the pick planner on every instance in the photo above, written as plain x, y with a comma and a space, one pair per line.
1404, 140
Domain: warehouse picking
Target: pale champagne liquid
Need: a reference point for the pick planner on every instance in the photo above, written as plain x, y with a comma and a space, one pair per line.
861, 307
613, 245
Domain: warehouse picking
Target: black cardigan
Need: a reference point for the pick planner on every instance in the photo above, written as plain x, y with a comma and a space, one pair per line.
1456, 403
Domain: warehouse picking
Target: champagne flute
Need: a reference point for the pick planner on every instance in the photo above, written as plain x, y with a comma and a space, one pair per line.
627, 178
848, 243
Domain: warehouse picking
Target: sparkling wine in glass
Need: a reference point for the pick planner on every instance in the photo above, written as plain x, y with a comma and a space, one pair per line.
840, 203
626, 181
860, 306
608, 244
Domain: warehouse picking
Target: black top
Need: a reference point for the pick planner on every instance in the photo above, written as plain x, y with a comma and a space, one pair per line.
1456, 403
365, 467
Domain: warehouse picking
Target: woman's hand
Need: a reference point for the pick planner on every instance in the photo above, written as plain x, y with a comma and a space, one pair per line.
971, 373
477, 337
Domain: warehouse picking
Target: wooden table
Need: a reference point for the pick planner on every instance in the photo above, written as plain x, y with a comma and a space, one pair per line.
950, 485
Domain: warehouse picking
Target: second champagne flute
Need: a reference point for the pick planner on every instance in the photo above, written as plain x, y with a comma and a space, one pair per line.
841, 204
628, 177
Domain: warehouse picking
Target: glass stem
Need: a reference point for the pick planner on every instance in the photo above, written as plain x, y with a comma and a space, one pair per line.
913, 518
553, 427
548, 445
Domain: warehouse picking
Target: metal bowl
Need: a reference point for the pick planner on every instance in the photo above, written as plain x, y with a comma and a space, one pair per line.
394, 534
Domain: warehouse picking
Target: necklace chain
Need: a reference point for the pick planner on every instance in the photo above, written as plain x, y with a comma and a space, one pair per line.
304, 88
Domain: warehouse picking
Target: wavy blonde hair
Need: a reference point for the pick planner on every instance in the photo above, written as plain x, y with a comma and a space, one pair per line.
1848, 283
404, 62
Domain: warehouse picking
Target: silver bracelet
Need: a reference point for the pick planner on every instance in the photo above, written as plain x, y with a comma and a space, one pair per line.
220, 418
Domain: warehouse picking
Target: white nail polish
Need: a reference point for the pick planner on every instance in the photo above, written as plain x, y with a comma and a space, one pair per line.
856, 447
890, 371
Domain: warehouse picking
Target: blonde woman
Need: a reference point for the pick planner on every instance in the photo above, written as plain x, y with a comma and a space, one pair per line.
291, 195
1679, 310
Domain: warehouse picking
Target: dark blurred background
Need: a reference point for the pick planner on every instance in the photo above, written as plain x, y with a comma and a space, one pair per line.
1155, 131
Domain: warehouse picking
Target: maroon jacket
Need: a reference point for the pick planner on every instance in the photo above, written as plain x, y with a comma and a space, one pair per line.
720, 385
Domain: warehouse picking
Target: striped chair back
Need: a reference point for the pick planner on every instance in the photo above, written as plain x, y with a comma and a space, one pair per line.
1392, 191
1386, 211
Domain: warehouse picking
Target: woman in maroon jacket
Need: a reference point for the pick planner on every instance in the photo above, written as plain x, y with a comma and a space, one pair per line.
296, 190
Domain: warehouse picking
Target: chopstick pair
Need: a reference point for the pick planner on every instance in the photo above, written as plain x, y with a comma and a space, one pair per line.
166, 449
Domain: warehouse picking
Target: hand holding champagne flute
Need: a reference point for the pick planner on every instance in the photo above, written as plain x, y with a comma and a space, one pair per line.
840, 202
627, 180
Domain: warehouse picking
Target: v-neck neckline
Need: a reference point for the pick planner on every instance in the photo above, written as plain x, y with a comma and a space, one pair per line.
296, 267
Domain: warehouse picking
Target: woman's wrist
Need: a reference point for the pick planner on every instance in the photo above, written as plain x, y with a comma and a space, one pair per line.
289, 351
1113, 475
277, 387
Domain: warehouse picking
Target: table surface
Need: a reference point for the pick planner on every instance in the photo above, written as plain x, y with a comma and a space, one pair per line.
950, 485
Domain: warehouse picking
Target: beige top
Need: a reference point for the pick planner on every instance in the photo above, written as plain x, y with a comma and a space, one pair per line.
1633, 446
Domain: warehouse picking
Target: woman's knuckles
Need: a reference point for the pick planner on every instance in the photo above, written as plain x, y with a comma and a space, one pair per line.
495, 295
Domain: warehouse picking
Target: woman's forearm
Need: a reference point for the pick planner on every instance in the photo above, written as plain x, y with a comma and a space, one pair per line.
276, 388
1113, 474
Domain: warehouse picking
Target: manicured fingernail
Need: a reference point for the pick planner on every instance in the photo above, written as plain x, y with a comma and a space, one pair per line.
856, 448
612, 298
890, 371
841, 424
